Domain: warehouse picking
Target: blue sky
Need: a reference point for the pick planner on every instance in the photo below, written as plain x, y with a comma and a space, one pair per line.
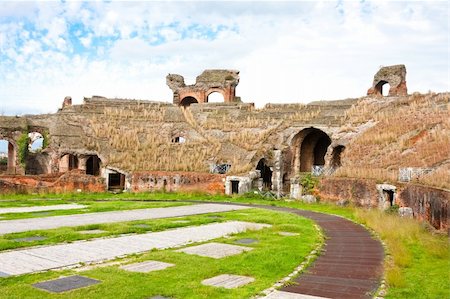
295, 51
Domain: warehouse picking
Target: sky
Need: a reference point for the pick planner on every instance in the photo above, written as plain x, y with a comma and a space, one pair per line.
287, 52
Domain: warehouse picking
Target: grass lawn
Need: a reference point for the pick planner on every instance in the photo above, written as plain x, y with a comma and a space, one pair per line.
417, 263
273, 257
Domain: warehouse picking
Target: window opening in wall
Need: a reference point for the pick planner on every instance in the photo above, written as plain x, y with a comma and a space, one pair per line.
234, 187
36, 142
179, 139
336, 156
4, 156
215, 97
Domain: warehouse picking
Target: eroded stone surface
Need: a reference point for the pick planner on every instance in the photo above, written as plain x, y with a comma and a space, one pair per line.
92, 231
66, 284
395, 76
30, 239
287, 295
228, 281
215, 250
247, 241
288, 234
147, 266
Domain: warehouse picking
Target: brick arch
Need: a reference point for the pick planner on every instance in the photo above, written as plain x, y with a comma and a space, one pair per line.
213, 90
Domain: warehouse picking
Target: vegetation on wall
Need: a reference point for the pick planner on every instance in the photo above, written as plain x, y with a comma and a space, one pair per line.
46, 139
23, 148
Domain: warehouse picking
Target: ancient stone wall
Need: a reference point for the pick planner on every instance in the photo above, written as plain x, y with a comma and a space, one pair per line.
177, 181
359, 192
395, 76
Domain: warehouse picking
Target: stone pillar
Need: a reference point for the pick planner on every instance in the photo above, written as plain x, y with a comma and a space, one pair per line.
11, 158
277, 175
296, 189
67, 102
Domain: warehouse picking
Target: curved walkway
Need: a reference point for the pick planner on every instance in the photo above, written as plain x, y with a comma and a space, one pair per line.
350, 266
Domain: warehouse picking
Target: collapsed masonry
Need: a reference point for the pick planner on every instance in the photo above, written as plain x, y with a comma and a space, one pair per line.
228, 147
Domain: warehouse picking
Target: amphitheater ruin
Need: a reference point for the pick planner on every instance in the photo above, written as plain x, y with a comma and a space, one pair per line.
232, 147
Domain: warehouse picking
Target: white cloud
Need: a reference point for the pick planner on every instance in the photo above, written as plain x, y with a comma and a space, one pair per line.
290, 52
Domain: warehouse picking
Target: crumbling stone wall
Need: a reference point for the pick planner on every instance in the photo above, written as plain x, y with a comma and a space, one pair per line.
359, 192
428, 204
395, 76
177, 181
222, 81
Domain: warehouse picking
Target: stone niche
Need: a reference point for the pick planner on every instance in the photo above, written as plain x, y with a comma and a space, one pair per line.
395, 76
210, 81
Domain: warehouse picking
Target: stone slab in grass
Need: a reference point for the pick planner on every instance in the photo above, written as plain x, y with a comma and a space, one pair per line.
66, 284
228, 281
92, 231
288, 234
29, 239
215, 250
246, 241
159, 297
147, 266
3, 274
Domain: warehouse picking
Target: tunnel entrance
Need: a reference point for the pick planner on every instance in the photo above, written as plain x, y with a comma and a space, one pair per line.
309, 147
266, 174
187, 101
93, 165
234, 187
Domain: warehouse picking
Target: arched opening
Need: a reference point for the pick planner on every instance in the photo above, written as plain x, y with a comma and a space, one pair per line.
310, 147
68, 162
7, 157
93, 165
215, 97
266, 174
187, 101
336, 156
36, 142
383, 88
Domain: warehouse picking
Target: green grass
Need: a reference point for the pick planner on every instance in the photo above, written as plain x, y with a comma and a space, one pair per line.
418, 261
272, 258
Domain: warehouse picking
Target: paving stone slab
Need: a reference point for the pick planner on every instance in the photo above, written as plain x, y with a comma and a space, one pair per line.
92, 231
247, 241
66, 284
181, 221
147, 266
3, 274
215, 250
21, 225
41, 208
29, 239
228, 281
288, 234
286, 295
159, 297
31, 260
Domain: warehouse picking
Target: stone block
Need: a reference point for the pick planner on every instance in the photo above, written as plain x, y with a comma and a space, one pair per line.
147, 266
66, 284
406, 212
309, 199
228, 281
215, 250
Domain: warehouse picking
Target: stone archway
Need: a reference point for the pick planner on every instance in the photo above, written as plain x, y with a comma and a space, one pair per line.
309, 149
336, 161
187, 101
93, 165
215, 96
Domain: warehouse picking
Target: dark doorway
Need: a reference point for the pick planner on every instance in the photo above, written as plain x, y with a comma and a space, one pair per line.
187, 101
93, 165
336, 156
389, 197
234, 187
73, 162
266, 174
116, 182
